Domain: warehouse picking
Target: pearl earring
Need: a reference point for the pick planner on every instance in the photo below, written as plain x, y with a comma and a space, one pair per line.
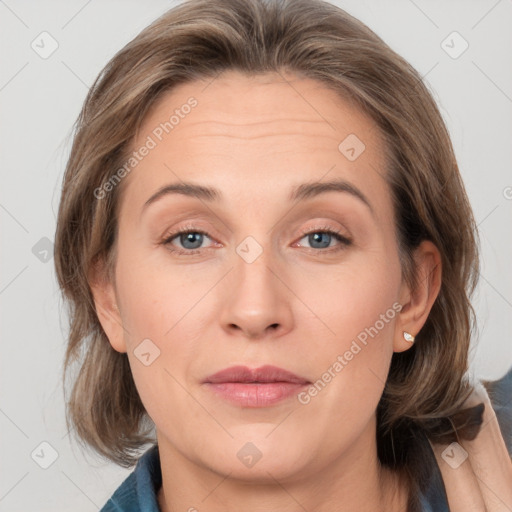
409, 337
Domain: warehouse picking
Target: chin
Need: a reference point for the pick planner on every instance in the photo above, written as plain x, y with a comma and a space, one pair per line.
260, 459
264, 472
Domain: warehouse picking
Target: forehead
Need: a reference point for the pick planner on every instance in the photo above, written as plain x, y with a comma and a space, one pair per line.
257, 105
255, 131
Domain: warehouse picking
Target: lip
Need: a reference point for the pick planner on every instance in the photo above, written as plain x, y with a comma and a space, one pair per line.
257, 387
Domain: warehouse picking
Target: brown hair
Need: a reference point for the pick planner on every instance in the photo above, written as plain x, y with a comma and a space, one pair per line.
199, 39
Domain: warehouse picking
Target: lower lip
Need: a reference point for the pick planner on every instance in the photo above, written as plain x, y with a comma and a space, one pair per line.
255, 395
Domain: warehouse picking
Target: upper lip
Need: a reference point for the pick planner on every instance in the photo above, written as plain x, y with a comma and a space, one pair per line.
263, 374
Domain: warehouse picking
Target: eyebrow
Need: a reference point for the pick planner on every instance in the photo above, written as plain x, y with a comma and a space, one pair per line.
303, 191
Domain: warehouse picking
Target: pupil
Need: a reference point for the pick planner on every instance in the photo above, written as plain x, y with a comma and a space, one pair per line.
317, 238
189, 237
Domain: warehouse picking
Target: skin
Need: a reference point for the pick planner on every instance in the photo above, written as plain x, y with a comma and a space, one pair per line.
254, 138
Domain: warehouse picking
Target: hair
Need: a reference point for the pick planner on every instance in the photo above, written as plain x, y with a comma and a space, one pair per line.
197, 40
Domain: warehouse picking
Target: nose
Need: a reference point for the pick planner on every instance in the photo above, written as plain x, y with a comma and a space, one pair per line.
258, 303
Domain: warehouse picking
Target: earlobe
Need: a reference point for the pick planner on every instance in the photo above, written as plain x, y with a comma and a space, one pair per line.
418, 301
108, 313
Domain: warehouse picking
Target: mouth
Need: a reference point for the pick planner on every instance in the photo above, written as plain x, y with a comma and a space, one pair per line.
258, 387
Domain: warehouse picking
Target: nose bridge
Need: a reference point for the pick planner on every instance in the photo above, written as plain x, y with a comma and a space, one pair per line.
257, 298
253, 269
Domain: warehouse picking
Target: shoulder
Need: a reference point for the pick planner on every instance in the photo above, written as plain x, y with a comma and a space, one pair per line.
500, 395
138, 492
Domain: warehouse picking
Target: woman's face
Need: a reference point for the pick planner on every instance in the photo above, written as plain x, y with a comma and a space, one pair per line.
291, 262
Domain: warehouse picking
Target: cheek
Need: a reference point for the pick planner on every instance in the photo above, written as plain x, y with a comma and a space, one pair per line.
355, 310
159, 319
350, 298
152, 294
160, 339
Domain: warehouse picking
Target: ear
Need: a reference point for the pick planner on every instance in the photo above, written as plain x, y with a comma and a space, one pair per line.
417, 303
105, 303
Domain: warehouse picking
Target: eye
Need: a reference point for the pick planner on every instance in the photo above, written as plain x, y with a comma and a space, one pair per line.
321, 238
190, 239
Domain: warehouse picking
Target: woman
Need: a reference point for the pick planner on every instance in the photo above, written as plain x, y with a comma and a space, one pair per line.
310, 349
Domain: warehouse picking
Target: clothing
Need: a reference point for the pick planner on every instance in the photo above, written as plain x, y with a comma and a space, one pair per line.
138, 492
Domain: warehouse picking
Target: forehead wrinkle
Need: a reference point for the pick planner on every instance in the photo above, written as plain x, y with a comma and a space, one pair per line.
187, 125
258, 130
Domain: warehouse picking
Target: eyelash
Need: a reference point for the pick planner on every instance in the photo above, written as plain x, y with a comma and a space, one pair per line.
345, 241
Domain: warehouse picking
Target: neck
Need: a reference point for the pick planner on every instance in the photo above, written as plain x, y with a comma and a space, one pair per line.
354, 482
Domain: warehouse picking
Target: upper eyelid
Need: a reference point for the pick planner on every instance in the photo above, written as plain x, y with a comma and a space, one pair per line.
206, 231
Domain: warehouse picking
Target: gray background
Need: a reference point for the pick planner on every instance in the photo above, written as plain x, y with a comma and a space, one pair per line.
40, 99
